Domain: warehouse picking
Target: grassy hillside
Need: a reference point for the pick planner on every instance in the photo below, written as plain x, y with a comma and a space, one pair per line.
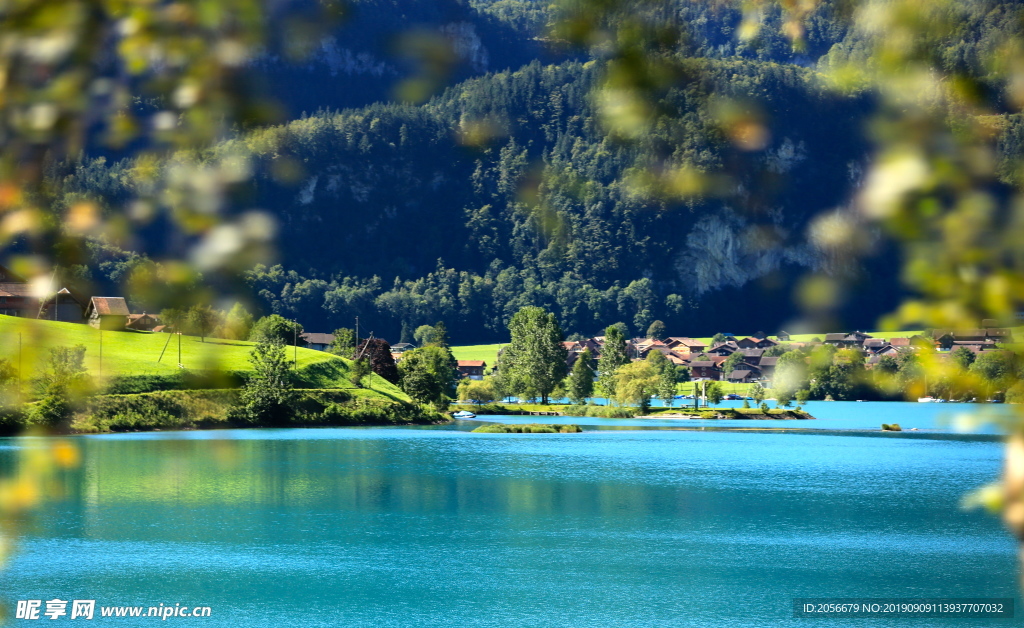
137, 354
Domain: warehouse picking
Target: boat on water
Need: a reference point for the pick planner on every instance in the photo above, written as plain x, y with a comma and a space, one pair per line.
462, 414
926, 399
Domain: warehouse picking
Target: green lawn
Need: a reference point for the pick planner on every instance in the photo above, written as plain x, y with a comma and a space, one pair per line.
138, 354
727, 388
487, 353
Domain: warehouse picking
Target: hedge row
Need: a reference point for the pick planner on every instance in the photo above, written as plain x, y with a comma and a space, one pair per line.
199, 409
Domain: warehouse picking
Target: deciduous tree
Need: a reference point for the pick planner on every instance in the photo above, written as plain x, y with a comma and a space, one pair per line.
275, 326
344, 343
429, 375
265, 397
378, 352
534, 360
636, 383
656, 330
62, 386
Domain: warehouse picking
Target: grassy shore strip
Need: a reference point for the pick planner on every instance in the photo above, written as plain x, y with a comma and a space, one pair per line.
531, 428
621, 412
212, 409
731, 414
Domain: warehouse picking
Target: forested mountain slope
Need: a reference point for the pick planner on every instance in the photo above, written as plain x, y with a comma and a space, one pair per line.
505, 191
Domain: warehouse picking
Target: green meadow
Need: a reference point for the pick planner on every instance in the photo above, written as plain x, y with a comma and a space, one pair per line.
487, 353
110, 354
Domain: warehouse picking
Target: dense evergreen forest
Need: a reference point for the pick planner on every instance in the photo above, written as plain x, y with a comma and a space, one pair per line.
504, 190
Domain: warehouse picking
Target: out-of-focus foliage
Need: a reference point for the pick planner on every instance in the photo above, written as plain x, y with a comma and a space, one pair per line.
131, 78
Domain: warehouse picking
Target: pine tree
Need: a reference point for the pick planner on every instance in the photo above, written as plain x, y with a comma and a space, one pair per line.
666, 389
613, 355
580, 385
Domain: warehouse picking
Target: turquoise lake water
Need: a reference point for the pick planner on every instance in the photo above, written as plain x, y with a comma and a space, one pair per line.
432, 527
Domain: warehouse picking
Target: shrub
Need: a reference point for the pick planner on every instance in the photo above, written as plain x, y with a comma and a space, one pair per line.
604, 412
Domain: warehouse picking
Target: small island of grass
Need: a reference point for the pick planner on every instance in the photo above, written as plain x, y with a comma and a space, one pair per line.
530, 428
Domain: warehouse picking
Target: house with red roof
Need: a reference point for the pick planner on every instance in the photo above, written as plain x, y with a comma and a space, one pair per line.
473, 369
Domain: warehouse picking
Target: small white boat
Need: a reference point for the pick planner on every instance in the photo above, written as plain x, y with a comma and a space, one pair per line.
462, 414
926, 399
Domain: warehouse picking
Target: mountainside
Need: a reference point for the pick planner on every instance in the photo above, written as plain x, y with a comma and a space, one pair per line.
366, 57
505, 190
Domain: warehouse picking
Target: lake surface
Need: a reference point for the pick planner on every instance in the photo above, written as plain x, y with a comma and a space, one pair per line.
829, 415
433, 527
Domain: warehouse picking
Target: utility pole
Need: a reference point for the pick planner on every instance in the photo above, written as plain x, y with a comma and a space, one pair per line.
295, 345
179, 351
356, 347
101, 354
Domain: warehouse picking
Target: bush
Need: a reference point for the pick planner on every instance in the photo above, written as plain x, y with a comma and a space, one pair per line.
604, 412
182, 380
13, 420
191, 409
177, 409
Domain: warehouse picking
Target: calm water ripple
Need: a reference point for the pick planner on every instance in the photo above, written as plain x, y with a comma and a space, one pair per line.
440, 527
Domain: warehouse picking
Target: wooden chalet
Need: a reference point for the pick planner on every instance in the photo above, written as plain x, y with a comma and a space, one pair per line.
686, 346
756, 341
854, 339
985, 338
16, 297
472, 369
64, 306
143, 322
705, 369
752, 356
744, 375
107, 313
725, 348
319, 342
